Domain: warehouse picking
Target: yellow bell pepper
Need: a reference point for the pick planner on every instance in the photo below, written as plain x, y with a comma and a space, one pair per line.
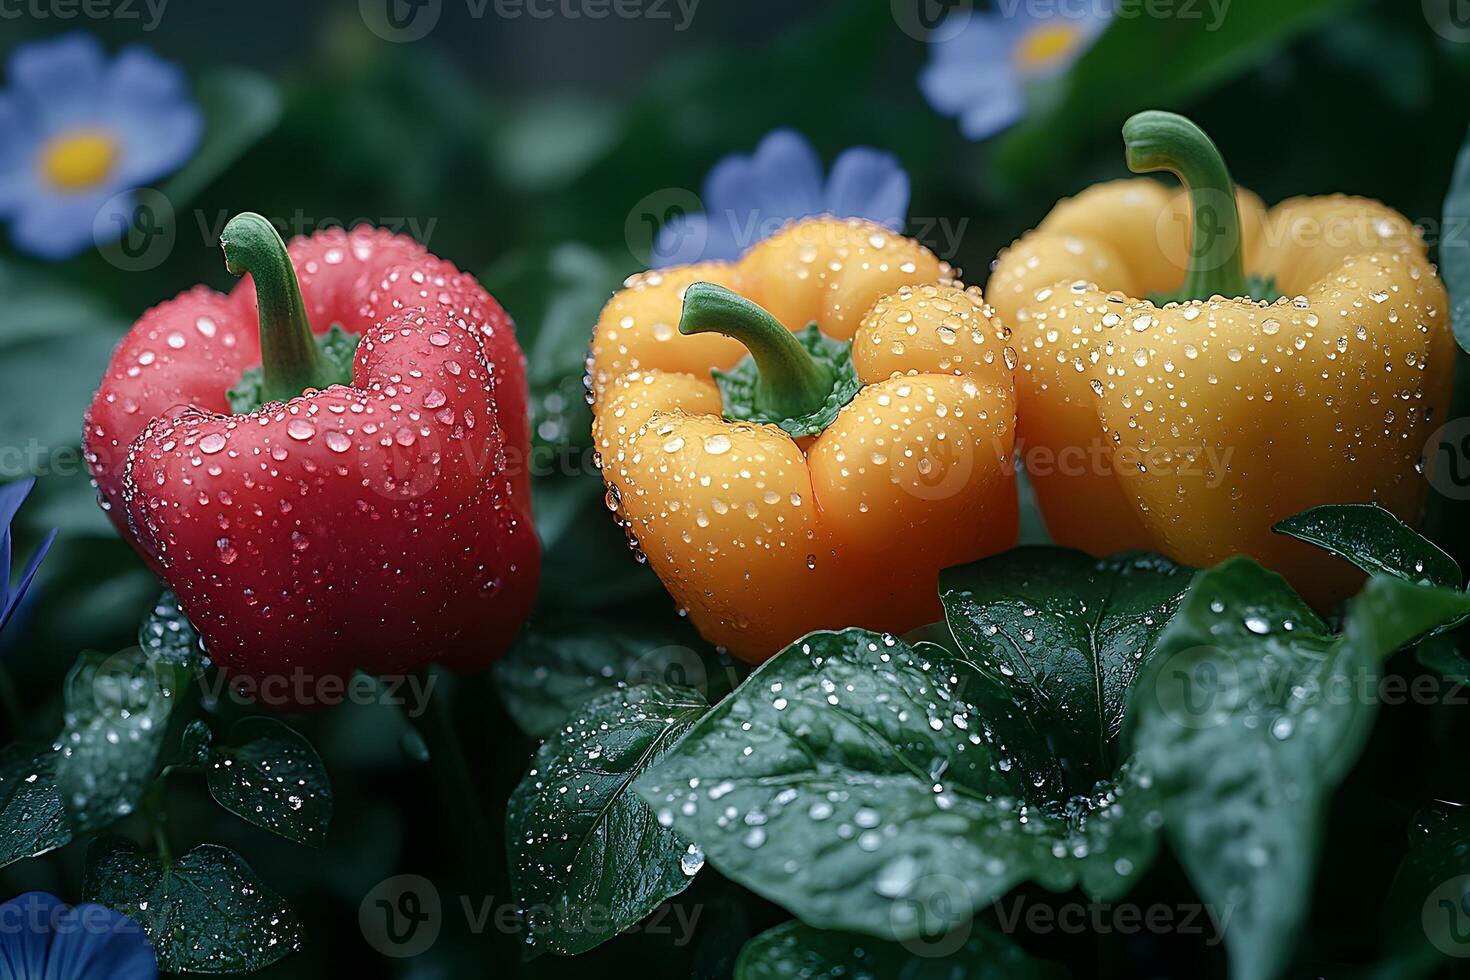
825, 475
1191, 421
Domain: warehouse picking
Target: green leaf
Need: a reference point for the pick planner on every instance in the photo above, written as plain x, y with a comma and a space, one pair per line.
117, 711
739, 385
1391, 614
1249, 715
793, 951
1374, 540
205, 913
338, 347
587, 857
855, 780
167, 636
558, 662
1454, 263
271, 776
1442, 657
550, 141
1060, 636
239, 107
1146, 63
32, 817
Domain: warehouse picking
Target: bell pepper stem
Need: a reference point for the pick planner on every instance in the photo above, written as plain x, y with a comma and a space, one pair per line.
1167, 141
792, 383
291, 361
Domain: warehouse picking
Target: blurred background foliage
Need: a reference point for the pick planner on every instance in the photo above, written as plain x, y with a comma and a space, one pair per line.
541, 154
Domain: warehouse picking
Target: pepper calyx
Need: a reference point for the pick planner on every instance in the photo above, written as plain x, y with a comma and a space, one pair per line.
740, 387
338, 349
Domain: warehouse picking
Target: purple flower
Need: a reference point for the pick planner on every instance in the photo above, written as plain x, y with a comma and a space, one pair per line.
979, 71
78, 132
748, 198
12, 495
41, 938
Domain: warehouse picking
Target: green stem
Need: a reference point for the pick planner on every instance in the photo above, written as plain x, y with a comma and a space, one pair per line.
291, 361
792, 384
1166, 141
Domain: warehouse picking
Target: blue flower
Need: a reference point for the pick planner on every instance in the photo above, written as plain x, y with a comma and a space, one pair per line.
78, 132
748, 198
12, 495
980, 66
41, 938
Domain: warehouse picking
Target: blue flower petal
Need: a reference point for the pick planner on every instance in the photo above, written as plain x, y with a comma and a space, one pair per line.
13, 598
990, 115
867, 183
148, 105
58, 227
91, 941
12, 496
60, 80
749, 198
684, 240
25, 940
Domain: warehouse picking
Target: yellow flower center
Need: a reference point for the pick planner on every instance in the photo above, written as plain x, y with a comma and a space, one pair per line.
79, 160
1047, 44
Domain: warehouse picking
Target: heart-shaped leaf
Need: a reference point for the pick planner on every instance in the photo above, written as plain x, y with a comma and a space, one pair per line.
271, 776
207, 912
1061, 636
856, 780
587, 857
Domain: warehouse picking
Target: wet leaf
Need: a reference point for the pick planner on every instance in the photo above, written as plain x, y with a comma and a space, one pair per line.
1376, 541
271, 776
167, 636
1248, 716
793, 951
1061, 635
587, 857
32, 817
855, 780
559, 662
117, 711
1454, 263
1430, 895
207, 912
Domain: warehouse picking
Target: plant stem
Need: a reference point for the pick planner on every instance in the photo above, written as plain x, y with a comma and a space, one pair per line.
1166, 141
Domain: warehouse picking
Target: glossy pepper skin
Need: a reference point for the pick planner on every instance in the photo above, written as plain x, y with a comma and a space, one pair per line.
764, 537
1194, 426
381, 523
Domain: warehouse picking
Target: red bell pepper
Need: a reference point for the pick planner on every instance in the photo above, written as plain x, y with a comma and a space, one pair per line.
373, 515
